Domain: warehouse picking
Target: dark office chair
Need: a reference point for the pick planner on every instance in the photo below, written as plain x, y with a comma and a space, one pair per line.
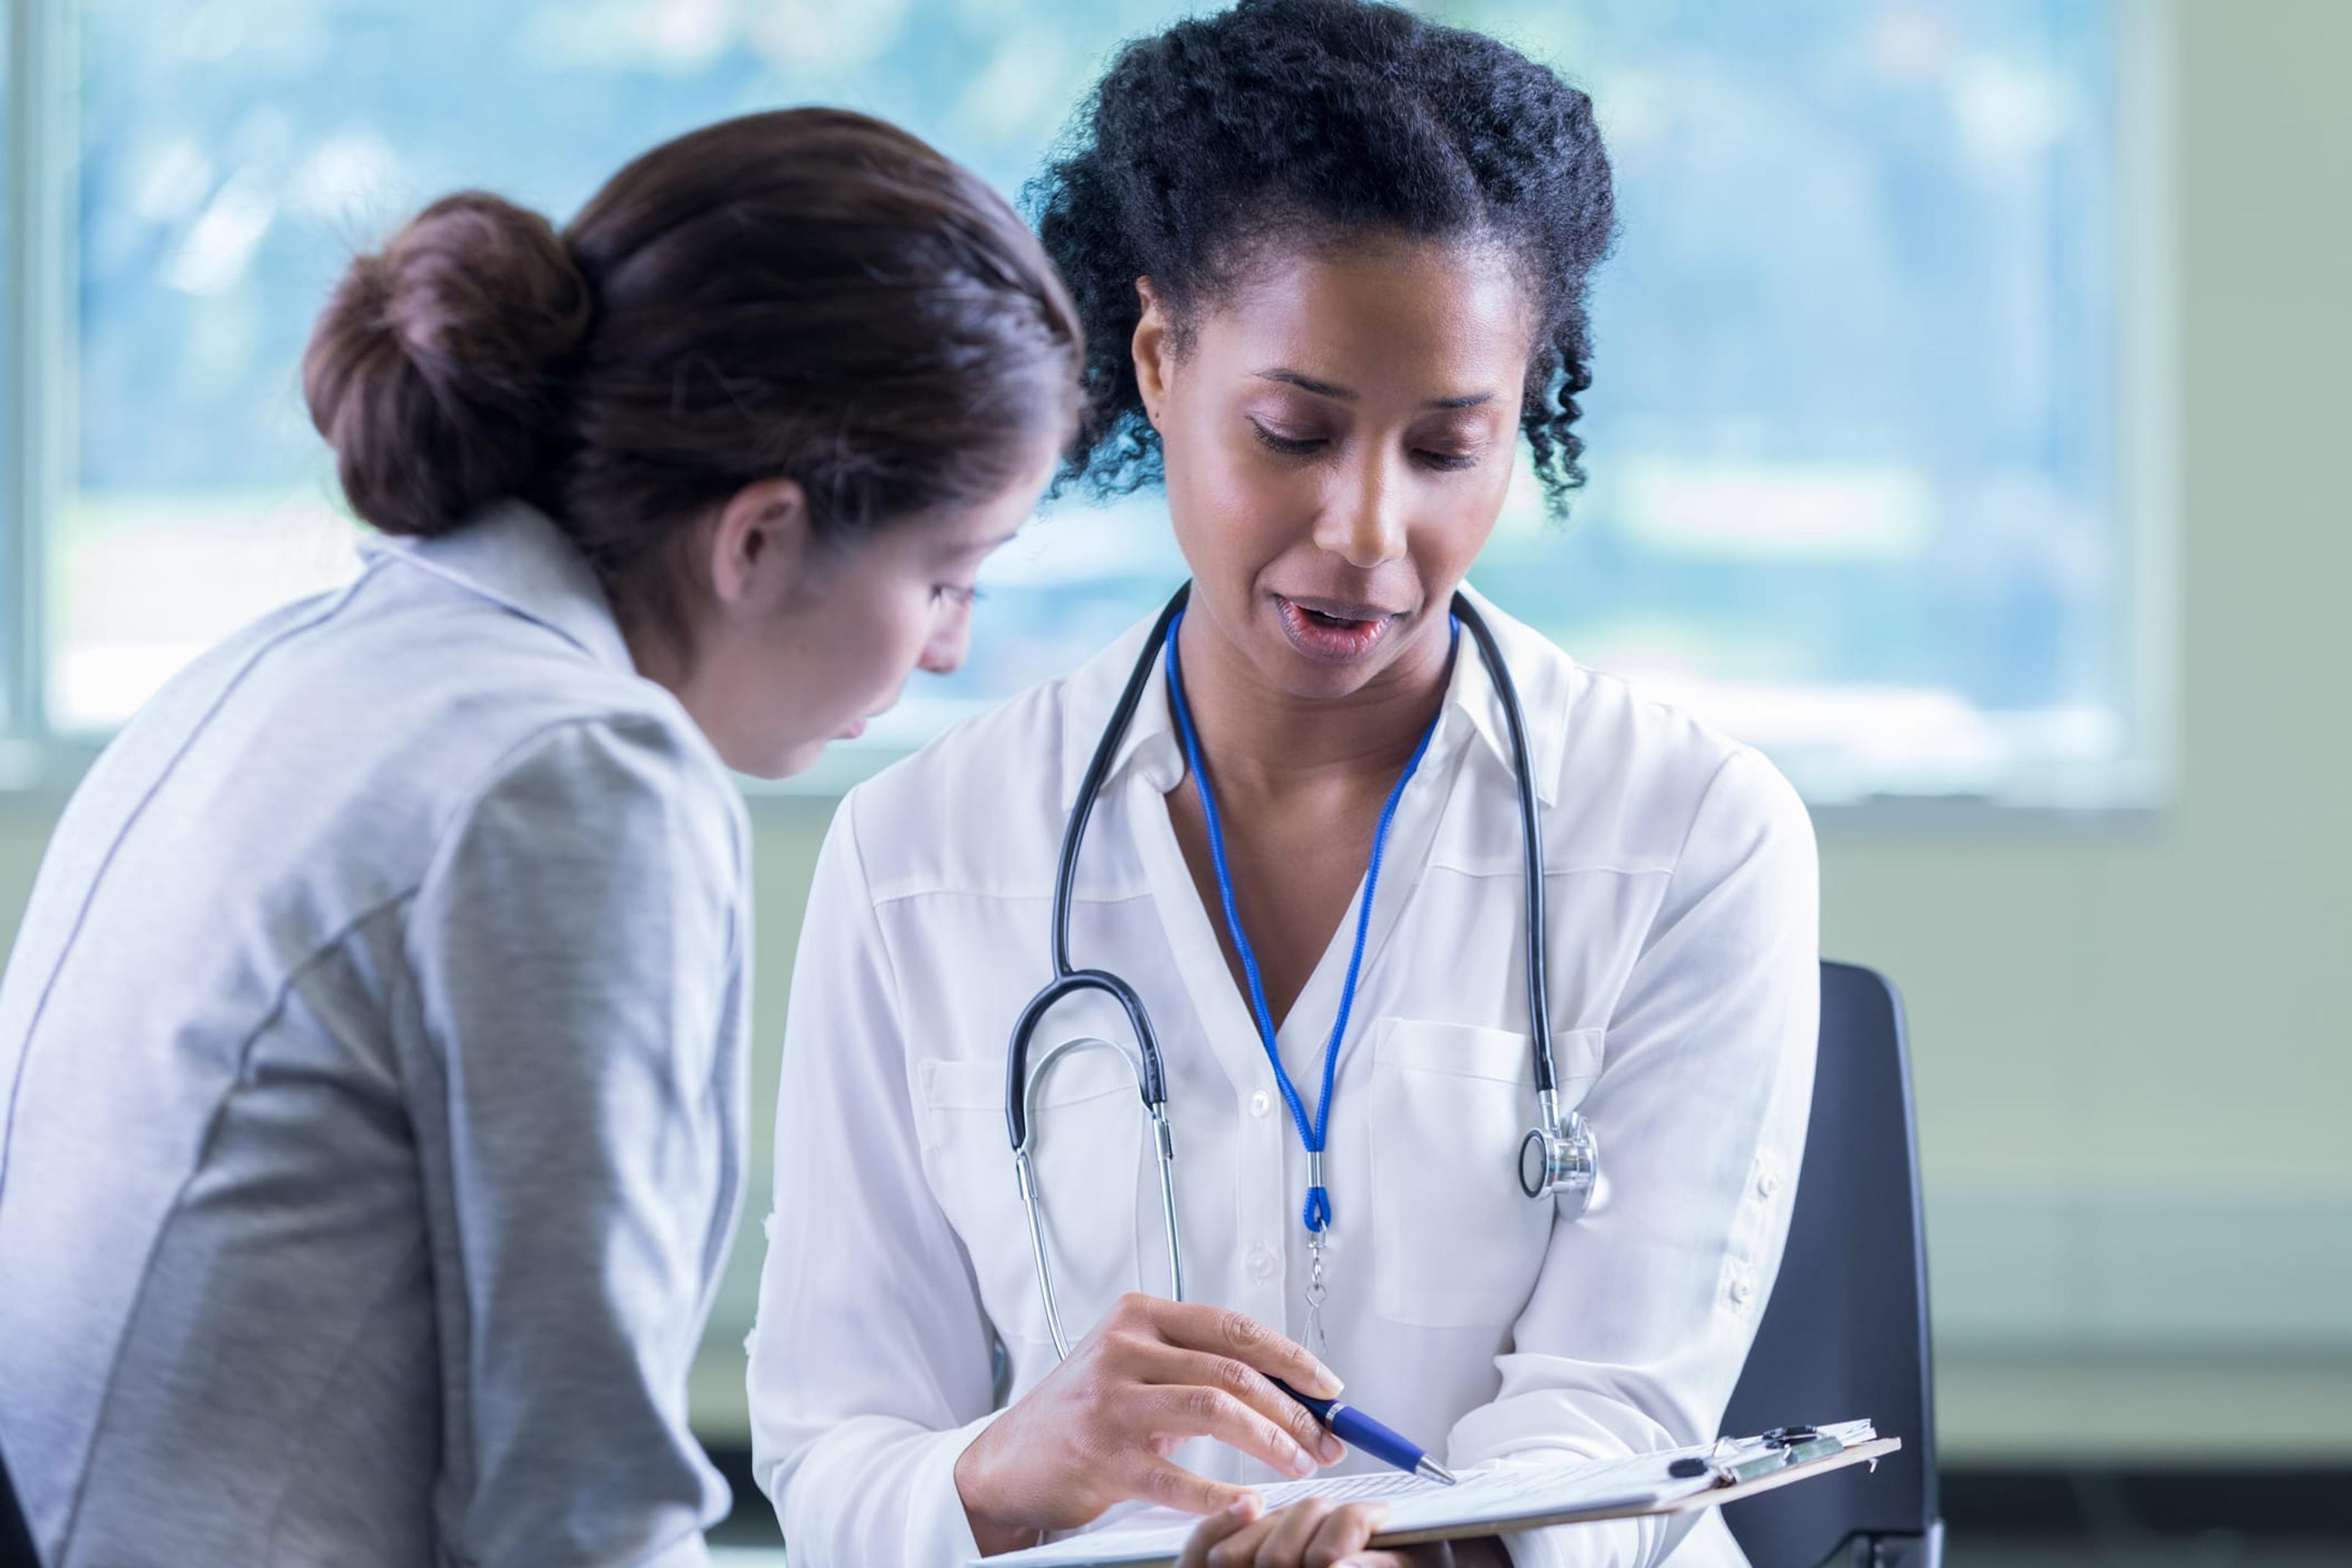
1845, 1334
15, 1539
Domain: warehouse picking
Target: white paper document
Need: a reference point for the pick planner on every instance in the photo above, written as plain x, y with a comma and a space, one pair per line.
1499, 1494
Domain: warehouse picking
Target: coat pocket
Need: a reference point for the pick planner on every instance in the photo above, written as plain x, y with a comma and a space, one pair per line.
1457, 1244
1087, 1146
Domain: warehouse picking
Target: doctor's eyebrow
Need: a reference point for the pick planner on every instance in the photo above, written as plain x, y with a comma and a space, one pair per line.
983, 546
1342, 394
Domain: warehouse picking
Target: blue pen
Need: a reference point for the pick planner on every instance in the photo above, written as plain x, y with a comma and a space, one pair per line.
1358, 1430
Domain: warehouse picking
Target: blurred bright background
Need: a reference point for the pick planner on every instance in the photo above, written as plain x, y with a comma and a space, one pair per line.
1969, 382
1856, 491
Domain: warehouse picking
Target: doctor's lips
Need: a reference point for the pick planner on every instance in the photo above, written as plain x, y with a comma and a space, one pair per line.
1333, 630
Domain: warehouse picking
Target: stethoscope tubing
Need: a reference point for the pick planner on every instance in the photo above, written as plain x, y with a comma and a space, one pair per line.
1530, 840
1070, 980
1150, 1073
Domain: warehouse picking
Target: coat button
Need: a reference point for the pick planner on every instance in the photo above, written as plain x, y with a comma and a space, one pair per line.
1768, 1182
1261, 1102
1262, 1262
1742, 1289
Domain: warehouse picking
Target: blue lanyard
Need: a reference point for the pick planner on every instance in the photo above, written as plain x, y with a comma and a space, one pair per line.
1317, 1213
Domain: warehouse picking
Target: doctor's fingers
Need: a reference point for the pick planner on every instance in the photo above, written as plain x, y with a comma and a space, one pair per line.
1178, 1411
1151, 1361
1154, 1479
1221, 1331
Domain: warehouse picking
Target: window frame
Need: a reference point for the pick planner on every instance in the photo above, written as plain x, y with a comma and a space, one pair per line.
36, 378
38, 410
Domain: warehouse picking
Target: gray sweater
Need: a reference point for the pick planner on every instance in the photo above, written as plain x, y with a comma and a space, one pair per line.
371, 1092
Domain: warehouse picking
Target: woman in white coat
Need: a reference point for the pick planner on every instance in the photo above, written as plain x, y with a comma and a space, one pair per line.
1333, 262
373, 1046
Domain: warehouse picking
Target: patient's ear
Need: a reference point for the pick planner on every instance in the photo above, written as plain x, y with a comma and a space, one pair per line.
757, 553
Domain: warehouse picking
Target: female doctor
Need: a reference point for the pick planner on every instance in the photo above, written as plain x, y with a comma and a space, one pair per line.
1332, 260
373, 1043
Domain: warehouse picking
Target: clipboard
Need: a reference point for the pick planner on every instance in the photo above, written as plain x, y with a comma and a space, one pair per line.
1710, 1497
1504, 1497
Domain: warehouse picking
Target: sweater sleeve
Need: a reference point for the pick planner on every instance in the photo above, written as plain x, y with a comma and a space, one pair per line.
578, 953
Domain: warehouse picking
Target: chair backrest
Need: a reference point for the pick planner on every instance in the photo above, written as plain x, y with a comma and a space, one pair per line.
1845, 1334
16, 1538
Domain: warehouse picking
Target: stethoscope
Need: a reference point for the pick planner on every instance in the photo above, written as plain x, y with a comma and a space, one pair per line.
1559, 1158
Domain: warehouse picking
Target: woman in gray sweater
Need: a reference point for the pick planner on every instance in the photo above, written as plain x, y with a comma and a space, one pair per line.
372, 1100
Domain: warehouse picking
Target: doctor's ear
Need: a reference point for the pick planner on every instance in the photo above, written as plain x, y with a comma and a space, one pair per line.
760, 546
1153, 347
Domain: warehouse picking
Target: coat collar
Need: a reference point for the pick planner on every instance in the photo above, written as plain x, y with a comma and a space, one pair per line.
1473, 707
514, 555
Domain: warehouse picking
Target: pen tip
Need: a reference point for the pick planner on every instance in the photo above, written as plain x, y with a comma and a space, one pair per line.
1435, 1472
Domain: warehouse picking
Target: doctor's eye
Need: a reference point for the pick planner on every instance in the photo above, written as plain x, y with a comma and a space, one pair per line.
956, 593
1288, 445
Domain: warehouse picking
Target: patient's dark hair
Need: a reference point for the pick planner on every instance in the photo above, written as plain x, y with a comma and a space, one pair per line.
1290, 125
808, 294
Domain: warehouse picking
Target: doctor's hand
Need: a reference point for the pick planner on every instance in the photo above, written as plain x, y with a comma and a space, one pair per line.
1097, 1430
1318, 1534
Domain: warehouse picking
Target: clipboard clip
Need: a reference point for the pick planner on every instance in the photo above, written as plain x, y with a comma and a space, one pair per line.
1763, 1454
1726, 1470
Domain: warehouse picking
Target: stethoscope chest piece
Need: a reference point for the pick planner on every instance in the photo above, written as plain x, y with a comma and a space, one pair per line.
1562, 1162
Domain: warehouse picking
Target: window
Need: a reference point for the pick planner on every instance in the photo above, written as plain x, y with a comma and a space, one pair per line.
1853, 443
11, 464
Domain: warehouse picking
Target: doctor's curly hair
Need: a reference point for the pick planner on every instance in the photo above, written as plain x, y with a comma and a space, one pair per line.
1289, 124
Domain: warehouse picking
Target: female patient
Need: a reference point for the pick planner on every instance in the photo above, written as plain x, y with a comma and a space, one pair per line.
1332, 260
373, 1050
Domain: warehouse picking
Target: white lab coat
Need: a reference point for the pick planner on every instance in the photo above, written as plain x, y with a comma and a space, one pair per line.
1683, 947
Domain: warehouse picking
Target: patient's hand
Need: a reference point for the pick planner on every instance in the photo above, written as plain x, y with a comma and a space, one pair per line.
1317, 1533
1099, 1429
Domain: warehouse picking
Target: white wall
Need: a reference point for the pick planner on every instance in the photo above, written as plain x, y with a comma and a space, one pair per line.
2135, 1042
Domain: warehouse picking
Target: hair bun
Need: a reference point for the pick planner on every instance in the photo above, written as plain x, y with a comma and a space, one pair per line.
431, 370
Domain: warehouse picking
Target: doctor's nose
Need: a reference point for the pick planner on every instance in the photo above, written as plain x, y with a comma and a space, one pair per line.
950, 641
1365, 526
